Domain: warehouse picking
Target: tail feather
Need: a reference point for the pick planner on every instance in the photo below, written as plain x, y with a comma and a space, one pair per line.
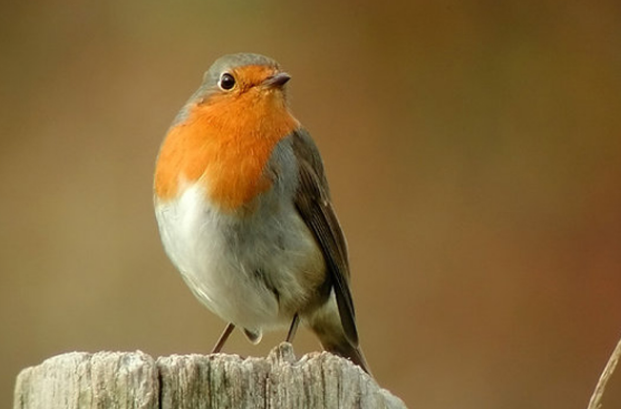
326, 323
346, 350
328, 329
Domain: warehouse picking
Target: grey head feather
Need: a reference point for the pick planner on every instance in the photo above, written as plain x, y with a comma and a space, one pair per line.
211, 77
231, 61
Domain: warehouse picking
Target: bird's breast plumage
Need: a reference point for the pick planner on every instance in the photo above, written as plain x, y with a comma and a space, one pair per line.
256, 270
225, 146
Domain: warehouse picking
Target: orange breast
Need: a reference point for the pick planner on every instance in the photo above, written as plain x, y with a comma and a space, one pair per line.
224, 143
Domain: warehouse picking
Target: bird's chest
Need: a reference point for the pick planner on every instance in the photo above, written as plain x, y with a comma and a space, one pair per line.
235, 150
255, 269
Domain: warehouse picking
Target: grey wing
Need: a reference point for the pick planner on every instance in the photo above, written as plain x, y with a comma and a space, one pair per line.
312, 201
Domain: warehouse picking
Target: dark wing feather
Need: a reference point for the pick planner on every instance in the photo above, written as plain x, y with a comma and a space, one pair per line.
313, 202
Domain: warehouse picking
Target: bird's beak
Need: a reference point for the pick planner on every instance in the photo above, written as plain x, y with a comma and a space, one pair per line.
277, 80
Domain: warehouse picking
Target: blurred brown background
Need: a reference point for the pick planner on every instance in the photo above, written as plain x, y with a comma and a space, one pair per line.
474, 153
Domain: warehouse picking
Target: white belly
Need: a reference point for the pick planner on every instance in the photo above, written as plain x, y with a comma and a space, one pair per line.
255, 271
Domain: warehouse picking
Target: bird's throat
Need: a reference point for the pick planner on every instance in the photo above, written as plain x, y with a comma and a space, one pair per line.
225, 146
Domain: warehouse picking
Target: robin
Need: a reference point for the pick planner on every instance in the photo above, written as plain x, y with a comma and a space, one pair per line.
244, 211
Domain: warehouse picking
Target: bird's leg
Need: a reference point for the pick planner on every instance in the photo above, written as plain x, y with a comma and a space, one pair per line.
293, 328
222, 340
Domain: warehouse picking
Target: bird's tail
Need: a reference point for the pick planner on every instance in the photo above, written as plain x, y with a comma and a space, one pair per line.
326, 324
346, 350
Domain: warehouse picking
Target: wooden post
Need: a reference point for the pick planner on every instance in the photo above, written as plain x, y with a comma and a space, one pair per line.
136, 380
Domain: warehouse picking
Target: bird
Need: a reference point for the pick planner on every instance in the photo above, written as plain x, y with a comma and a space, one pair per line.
245, 214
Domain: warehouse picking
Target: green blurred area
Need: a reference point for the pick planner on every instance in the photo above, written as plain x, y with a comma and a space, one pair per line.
474, 155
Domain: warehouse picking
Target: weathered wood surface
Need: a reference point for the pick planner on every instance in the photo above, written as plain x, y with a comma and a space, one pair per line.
136, 380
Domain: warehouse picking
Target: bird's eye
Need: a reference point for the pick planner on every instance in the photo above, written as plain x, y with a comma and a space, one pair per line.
227, 81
